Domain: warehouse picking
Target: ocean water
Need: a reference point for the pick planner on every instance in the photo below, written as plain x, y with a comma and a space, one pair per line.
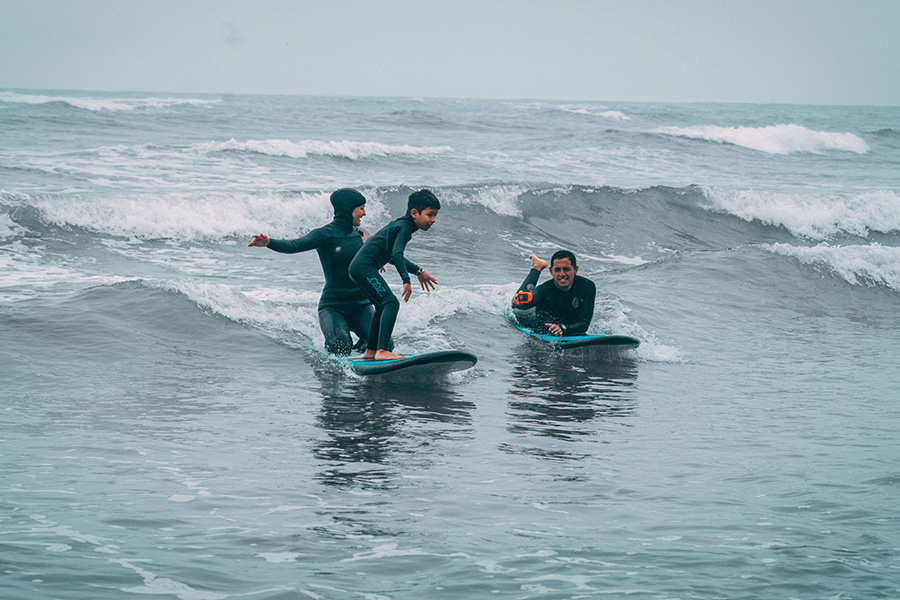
171, 426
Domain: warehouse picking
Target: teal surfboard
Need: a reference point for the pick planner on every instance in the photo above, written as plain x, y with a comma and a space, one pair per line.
429, 364
570, 342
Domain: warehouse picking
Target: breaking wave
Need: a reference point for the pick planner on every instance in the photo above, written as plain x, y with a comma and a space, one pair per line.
870, 265
108, 104
774, 139
344, 149
813, 216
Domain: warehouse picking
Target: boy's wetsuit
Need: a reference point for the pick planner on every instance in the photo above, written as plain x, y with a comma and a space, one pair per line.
343, 307
385, 246
571, 309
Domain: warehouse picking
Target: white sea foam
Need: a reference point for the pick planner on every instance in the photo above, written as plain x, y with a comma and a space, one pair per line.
280, 557
869, 265
25, 273
237, 306
289, 311
110, 104
8, 227
345, 149
775, 139
610, 316
444, 302
392, 551
156, 168
594, 111
163, 586
500, 199
613, 115
622, 260
191, 216
813, 216
65, 531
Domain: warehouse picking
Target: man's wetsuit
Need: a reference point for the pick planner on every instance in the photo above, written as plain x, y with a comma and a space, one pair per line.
571, 309
343, 307
385, 246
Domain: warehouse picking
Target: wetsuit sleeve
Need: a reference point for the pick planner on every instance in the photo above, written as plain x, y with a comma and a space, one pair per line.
529, 286
310, 241
585, 311
411, 267
403, 236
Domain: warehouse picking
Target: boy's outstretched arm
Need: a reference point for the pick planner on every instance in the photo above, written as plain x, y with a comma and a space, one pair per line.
425, 280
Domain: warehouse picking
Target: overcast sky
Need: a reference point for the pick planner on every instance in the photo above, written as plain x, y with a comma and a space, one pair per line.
811, 52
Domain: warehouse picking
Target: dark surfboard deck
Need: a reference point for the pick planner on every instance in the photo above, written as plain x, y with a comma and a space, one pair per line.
431, 364
570, 342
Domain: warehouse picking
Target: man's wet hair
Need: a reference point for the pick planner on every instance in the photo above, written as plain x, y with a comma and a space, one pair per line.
422, 200
559, 254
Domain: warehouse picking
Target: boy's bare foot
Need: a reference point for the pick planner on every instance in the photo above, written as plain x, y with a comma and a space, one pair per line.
386, 355
537, 263
369, 354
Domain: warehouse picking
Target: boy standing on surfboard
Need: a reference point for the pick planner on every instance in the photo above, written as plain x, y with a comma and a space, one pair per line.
387, 246
564, 305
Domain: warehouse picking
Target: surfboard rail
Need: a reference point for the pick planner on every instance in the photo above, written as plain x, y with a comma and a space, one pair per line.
570, 342
431, 363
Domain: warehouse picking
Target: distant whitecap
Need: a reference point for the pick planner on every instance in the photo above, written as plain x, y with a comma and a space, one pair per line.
775, 139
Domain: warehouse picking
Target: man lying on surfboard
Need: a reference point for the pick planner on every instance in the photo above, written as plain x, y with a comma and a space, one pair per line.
563, 305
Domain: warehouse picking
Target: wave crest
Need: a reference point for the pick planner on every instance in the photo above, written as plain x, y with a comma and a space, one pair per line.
613, 115
595, 111
500, 199
811, 216
98, 104
188, 217
869, 265
344, 149
774, 139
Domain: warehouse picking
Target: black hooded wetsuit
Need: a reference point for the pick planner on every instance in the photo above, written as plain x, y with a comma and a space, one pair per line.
571, 309
385, 246
343, 307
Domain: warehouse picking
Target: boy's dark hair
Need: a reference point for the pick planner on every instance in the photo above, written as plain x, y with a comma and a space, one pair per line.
563, 254
421, 200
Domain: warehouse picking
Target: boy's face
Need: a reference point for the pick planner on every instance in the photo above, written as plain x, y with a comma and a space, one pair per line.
425, 219
563, 273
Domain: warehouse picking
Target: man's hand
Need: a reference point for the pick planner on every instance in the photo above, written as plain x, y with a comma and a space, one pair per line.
554, 329
537, 263
407, 292
426, 281
261, 240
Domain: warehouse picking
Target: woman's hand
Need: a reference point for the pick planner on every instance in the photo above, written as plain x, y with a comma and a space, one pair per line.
260, 239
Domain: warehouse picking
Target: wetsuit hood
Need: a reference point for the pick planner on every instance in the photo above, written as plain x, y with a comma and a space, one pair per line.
345, 200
